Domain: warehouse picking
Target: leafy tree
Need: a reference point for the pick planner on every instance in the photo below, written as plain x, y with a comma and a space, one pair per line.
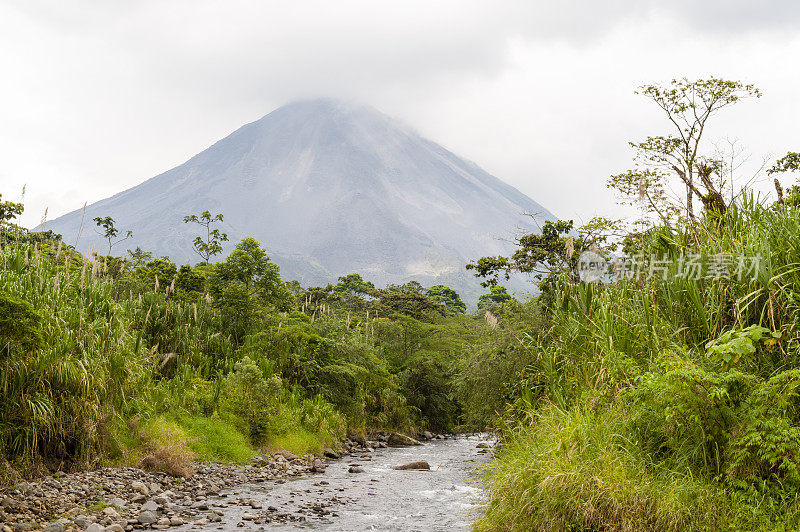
162, 269
212, 245
355, 285
788, 163
407, 302
139, 257
554, 251
447, 297
189, 281
410, 287
540, 254
497, 296
110, 232
9, 210
250, 268
688, 105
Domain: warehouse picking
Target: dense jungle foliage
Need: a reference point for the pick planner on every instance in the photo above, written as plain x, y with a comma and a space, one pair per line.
106, 359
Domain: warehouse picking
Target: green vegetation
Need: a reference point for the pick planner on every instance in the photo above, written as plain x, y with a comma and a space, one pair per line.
666, 399
663, 396
143, 362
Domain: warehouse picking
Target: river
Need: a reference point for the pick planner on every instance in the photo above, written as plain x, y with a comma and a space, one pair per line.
377, 498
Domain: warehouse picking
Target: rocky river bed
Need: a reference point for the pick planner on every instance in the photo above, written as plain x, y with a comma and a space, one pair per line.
355, 488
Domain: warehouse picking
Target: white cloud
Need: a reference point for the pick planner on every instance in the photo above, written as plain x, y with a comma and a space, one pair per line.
98, 96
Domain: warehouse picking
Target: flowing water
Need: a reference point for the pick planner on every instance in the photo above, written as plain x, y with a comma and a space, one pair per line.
379, 498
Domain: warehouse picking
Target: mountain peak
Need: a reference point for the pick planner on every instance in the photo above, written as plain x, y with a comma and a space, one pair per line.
328, 187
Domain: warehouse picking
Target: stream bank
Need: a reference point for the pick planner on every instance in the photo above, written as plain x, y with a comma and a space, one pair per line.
360, 491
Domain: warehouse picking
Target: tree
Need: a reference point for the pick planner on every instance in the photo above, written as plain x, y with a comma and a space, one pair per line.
247, 285
540, 254
249, 267
189, 281
497, 296
212, 245
139, 257
688, 105
110, 232
163, 270
355, 285
447, 297
788, 163
9, 210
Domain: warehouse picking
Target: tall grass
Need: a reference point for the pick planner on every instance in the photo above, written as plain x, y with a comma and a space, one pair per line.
57, 398
638, 427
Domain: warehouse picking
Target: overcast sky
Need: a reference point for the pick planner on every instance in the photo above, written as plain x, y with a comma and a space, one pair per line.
97, 96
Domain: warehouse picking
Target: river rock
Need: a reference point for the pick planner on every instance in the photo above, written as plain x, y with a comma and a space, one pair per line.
286, 454
414, 466
318, 466
427, 435
82, 521
117, 502
401, 440
150, 506
330, 453
140, 487
94, 527
482, 445
7, 503
355, 469
147, 517
54, 527
116, 527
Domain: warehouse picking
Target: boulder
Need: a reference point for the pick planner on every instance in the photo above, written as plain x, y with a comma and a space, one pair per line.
330, 453
401, 440
147, 517
355, 469
150, 506
414, 466
139, 487
288, 455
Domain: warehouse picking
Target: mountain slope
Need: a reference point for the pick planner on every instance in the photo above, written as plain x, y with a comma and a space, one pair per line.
328, 189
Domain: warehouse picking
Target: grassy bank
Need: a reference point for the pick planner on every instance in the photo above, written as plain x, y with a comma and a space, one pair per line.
665, 402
